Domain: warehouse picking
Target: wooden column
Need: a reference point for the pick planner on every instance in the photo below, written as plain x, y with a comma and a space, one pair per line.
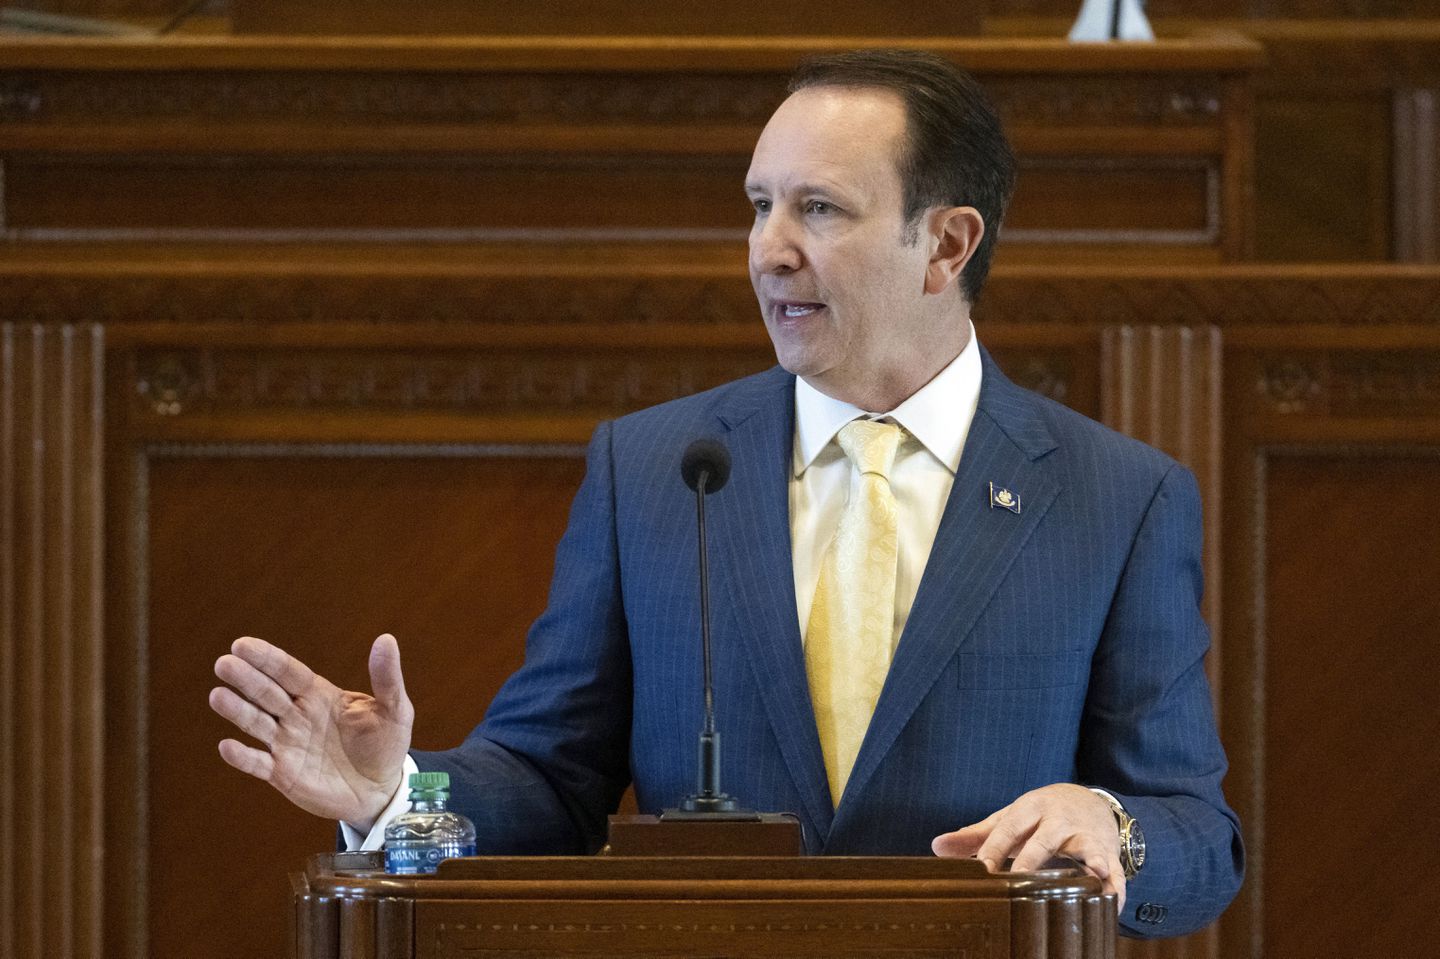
51, 670
1417, 176
1161, 385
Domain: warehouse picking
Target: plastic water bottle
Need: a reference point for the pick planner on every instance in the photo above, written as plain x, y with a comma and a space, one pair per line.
416, 841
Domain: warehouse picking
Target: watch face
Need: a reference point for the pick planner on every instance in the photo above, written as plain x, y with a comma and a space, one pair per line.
1134, 847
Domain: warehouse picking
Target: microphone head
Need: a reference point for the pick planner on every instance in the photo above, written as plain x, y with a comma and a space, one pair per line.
706, 456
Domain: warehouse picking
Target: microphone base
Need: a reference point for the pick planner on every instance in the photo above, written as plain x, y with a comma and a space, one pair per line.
680, 833
706, 806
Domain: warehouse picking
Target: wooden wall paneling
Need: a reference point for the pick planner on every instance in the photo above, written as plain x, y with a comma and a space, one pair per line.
1323, 176
319, 549
1333, 106
1351, 660
51, 660
1128, 152
1324, 609
1417, 175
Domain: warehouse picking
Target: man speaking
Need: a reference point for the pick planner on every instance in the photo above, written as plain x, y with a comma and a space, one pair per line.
954, 615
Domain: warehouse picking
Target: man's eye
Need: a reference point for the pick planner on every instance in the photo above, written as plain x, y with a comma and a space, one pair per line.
761, 206
820, 207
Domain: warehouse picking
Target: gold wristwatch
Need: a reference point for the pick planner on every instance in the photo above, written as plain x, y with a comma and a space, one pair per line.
1132, 839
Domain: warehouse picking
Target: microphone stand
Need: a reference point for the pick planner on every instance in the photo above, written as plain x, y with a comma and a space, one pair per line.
707, 822
707, 800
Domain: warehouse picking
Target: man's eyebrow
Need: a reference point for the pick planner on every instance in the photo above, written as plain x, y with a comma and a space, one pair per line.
800, 189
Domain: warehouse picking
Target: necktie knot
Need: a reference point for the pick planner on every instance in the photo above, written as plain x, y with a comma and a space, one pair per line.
870, 445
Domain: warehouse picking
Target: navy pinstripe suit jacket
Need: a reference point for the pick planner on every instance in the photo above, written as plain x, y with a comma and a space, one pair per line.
1062, 644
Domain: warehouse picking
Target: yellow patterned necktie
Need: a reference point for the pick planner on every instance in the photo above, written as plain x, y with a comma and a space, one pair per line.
847, 643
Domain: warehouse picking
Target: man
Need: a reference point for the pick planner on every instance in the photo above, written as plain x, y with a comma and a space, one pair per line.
985, 610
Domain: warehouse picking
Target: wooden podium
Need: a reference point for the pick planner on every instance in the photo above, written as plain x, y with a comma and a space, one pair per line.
607, 907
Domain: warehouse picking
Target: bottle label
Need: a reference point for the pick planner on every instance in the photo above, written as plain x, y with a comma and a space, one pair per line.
422, 859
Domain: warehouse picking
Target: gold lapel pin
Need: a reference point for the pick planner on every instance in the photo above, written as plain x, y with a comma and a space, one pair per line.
1002, 498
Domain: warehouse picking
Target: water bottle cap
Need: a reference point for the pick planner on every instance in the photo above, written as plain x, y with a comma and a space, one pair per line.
429, 782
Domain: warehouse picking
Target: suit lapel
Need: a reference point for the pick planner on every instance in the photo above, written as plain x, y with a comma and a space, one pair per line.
751, 532
975, 546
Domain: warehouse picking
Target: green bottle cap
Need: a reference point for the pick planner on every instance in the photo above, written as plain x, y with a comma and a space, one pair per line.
429, 782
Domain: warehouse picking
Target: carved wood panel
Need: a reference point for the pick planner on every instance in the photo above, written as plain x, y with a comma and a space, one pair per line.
1324, 596
231, 140
52, 730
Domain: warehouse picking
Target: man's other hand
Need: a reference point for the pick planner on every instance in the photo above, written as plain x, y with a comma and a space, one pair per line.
1058, 820
332, 752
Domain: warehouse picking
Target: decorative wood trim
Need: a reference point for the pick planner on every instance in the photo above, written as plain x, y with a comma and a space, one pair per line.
1162, 385
471, 105
1350, 384
1217, 52
51, 658
171, 383
1416, 191
641, 293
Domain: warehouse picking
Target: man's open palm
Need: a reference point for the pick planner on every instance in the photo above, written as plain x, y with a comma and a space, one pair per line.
330, 751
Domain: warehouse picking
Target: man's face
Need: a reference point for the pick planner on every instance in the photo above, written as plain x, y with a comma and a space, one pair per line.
841, 291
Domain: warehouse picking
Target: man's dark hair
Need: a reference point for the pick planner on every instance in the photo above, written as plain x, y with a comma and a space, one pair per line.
955, 152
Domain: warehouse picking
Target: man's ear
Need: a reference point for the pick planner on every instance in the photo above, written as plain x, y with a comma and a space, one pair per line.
955, 233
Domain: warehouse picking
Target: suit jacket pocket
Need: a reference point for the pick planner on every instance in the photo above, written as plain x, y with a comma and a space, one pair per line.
1066, 667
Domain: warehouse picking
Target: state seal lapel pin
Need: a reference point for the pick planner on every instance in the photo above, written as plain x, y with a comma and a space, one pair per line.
1002, 498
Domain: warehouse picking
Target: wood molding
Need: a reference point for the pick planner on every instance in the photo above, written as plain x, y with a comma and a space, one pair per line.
1417, 175
531, 295
52, 774
1162, 385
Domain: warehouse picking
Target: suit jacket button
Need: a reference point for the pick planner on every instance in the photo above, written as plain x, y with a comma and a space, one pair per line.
1150, 912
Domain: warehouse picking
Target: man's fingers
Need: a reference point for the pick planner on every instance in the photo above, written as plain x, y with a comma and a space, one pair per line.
1008, 835
254, 685
960, 843
1039, 849
386, 679
292, 675
966, 840
248, 717
248, 759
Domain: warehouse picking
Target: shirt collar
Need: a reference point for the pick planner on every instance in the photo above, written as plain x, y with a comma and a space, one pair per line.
938, 414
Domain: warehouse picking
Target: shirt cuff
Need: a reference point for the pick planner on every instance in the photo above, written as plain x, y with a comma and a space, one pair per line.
1114, 803
356, 841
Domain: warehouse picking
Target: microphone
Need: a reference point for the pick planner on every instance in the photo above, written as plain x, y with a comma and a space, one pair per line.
706, 462
705, 467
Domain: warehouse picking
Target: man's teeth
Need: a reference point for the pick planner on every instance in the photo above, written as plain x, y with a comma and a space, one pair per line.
799, 309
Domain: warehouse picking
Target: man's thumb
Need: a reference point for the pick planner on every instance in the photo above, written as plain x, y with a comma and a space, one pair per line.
386, 680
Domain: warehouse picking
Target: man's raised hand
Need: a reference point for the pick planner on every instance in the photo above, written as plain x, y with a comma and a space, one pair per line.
332, 752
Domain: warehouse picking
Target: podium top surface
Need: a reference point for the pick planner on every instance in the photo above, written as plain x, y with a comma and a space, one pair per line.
360, 875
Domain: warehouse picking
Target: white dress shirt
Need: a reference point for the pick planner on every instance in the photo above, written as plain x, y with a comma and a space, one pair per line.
936, 420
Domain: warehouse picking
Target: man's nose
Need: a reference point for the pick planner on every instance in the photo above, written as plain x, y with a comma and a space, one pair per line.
773, 246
